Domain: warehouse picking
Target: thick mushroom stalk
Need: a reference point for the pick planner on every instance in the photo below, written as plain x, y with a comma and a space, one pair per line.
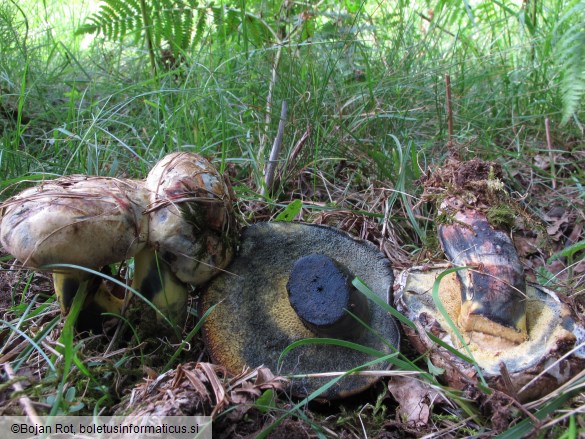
155, 280
493, 298
86, 221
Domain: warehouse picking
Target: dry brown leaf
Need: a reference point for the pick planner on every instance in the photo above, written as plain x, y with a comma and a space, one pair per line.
415, 398
542, 161
526, 246
556, 229
265, 375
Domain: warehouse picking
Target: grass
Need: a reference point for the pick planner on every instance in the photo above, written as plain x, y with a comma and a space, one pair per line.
364, 84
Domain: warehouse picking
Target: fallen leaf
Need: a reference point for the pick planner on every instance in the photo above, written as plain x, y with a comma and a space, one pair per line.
541, 161
525, 246
416, 399
556, 229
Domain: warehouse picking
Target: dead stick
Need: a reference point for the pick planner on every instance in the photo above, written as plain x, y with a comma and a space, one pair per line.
551, 156
273, 160
449, 114
24, 401
269, 97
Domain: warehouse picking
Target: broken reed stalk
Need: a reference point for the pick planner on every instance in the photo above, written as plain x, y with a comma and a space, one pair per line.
551, 156
276, 146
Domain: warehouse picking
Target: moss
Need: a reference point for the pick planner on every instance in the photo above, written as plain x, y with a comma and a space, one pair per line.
444, 218
502, 216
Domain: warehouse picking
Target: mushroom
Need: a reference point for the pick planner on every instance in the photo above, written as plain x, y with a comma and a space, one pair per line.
192, 222
178, 225
85, 221
519, 334
192, 230
292, 281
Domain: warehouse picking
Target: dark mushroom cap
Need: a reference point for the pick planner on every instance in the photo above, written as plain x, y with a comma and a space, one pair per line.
254, 321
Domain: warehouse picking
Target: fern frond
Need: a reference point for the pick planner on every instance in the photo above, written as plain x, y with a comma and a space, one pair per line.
114, 20
178, 23
200, 26
570, 51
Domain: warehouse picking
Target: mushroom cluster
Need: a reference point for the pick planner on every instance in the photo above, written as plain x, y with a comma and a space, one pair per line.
291, 281
177, 224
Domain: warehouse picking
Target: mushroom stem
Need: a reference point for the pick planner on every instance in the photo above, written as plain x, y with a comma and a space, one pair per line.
493, 299
155, 280
66, 283
99, 298
320, 291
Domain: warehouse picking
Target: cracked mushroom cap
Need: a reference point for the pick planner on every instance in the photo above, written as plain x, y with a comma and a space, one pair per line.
192, 223
84, 221
292, 281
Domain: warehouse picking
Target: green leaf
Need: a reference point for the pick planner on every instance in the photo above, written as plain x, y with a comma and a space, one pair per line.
568, 252
266, 401
290, 212
434, 370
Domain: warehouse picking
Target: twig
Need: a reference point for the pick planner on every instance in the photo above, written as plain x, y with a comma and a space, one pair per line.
273, 160
268, 116
450, 145
24, 401
298, 147
551, 156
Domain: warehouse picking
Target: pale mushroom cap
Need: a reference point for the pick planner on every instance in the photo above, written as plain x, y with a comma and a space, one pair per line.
87, 221
192, 223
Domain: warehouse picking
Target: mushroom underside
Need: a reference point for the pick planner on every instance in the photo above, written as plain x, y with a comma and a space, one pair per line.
253, 321
535, 366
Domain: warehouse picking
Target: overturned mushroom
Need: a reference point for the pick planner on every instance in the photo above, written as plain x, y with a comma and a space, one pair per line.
520, 334
290, 282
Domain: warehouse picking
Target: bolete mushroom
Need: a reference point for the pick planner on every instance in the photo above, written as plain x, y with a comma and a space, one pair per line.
192, 230
520, 334
178, 225
85, 221
292, 281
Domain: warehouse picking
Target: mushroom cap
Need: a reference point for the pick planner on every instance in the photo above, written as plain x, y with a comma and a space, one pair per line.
253, 321
87, 221
552, 332
192, 223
